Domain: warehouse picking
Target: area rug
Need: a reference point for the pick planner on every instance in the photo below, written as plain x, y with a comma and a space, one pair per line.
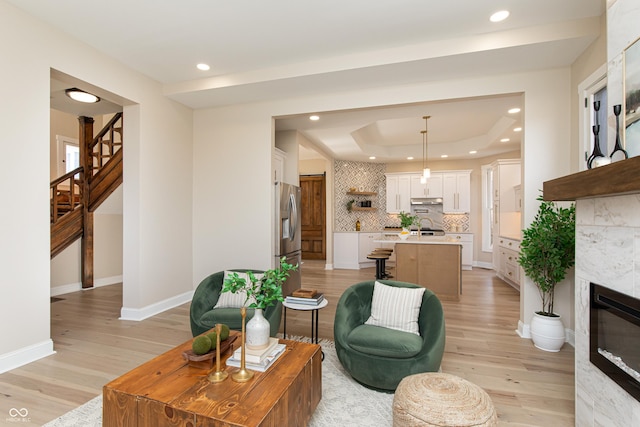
344, 402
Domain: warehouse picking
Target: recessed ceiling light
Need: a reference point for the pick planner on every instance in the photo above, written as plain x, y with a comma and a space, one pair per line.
499, 16
505, 140
410, 158
514, 110
518, 129
81, 96
314, 118
372, 157
472, 152
444, 156
203, 67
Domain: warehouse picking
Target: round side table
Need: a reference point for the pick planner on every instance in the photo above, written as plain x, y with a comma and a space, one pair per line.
314, 309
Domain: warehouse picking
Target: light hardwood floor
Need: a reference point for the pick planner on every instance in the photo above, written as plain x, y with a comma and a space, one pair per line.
528, 386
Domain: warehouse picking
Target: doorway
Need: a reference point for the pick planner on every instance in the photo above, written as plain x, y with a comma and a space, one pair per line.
313, 207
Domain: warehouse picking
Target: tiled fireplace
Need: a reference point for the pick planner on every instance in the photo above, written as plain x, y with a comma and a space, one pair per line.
608, 254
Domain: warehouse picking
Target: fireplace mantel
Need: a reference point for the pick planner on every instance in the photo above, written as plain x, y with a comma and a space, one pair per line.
615, 178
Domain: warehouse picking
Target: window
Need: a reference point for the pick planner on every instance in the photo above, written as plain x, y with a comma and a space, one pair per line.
68, 154
487, 208
591, 90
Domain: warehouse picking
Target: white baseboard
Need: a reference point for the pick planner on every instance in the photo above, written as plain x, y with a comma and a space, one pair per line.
139, 314
570, 337
347, 266
20, 357
482, 264
523, 330
75, 287
328, 266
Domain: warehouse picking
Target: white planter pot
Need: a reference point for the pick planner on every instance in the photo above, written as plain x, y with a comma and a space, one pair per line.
257, 331
547, 332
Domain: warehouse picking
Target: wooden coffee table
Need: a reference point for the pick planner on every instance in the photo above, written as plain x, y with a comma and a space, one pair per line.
167, 391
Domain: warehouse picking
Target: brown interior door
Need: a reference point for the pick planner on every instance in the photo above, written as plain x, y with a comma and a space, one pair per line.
313, 216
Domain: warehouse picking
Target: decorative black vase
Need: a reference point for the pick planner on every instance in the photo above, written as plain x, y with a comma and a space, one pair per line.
596, 134
618, 147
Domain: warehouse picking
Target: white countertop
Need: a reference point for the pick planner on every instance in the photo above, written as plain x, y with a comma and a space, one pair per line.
422, 240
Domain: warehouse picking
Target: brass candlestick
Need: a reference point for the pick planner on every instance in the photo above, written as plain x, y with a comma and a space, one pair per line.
219, 375
242, 375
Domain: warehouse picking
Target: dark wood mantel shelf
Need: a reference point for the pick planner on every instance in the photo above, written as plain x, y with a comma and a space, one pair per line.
616, 178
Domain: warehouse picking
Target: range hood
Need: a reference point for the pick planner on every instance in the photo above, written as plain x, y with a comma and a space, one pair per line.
427, 201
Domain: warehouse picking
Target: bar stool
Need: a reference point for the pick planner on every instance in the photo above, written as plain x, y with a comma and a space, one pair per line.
384, 251
380, 259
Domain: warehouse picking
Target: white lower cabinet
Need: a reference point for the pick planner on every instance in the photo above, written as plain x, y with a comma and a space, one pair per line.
366, 245
508, 268
350, 249
466, 239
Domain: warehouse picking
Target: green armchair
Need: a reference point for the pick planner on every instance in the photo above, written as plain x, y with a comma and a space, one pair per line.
204, 317
378, 357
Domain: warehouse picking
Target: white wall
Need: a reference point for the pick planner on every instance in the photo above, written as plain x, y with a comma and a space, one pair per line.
235, 138
157, 208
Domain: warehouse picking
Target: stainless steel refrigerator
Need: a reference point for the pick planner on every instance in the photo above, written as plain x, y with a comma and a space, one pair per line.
288, 232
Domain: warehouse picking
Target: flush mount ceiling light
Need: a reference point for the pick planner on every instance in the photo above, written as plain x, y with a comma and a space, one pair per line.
203, 67
473, 152
499, 16
314, 117
513, 110
410, 158
518, 129
372, 157
81, 96
505, 140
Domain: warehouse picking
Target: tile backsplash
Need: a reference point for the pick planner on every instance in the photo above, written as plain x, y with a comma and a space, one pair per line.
363, 177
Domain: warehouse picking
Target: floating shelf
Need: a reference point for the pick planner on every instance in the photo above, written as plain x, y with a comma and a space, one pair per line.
358, 208
362, 193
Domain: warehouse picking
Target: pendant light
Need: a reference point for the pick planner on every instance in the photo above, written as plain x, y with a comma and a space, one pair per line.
426, 172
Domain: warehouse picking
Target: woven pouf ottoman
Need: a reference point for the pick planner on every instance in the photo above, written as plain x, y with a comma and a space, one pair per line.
438, 399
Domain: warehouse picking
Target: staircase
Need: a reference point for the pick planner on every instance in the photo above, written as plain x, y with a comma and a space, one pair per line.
77, 194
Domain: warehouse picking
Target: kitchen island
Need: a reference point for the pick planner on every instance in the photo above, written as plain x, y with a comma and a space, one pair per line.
433, 262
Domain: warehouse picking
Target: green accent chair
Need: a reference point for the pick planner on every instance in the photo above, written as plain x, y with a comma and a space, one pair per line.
204, 317
378, 357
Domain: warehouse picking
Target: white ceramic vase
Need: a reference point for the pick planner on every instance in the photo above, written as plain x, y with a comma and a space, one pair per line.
257, 331
547, 332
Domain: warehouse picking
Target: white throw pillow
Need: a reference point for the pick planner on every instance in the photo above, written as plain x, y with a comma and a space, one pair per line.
235, 300
396, 308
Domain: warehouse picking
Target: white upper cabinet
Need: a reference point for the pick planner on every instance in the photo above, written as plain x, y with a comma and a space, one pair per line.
433, 187
398, 193
456, 188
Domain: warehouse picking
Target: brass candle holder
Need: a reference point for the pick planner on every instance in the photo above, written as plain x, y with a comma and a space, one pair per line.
219, 375
243, 374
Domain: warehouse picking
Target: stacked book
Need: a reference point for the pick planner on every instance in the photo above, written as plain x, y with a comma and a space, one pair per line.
305, 296
258, 360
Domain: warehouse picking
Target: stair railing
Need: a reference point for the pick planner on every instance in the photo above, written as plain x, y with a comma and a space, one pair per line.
66, 193
106, 143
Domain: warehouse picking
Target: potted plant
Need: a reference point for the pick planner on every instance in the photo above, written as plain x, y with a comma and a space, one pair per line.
350, 205
547, 251
407, 220
264, 291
